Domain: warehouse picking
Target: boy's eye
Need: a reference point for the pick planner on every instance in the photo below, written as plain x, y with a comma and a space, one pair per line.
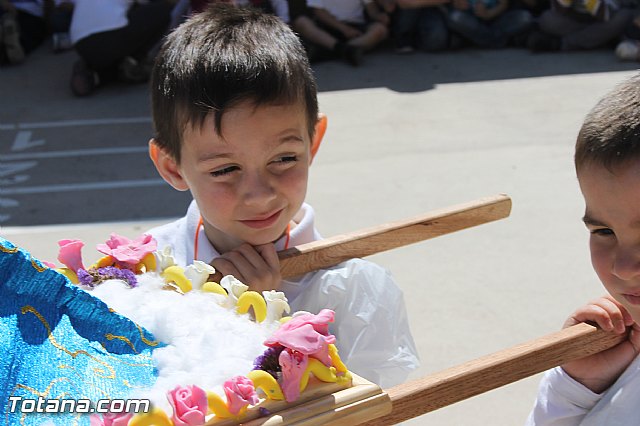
224, 171
287, 159
601, 232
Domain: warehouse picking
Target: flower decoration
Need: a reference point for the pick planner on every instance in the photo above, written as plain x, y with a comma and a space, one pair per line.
110, 419
164, 258
276, 304
269, 361
294, 365
308, 334
189, 405
198, 273
240, 393
126, 251
234, 288
70, 254
95, 276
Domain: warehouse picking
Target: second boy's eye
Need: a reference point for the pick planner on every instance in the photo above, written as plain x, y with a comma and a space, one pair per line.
602, 232
287, 159
224, 171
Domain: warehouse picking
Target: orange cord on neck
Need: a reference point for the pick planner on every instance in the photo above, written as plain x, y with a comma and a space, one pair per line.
286, 241
196, 238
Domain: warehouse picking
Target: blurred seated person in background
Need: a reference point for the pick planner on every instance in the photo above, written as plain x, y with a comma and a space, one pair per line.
488, 23
419, 24
579, 24
23, 27
349, 27
629, 48
113, 39
59, 22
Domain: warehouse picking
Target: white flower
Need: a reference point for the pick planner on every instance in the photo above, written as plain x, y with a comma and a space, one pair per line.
234, 288
198, 273
164, 259
276, 304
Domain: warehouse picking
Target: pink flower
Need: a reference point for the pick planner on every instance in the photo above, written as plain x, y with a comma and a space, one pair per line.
110, 419
127, 251
293, 365
70, 255
240, 393
189, 405
308, 334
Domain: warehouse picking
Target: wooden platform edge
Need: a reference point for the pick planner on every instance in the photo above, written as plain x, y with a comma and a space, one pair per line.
455, 384
361, 402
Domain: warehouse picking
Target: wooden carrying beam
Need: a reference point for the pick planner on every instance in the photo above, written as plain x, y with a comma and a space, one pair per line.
331, 251
452, 385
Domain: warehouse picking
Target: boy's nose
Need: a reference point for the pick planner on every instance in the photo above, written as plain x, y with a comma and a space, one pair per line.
626, 264
258, 189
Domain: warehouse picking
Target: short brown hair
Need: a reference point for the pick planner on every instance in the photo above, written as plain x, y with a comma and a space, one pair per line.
610, 134
222, 57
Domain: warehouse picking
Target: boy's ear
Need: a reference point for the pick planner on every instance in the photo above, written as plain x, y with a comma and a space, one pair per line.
321, 128
167, 166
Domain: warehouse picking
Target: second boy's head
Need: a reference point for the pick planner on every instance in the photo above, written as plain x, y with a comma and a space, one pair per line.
607, 161
236, 118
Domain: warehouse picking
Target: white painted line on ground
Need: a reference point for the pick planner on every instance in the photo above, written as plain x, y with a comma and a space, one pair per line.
74, 123
82, 187
74, 153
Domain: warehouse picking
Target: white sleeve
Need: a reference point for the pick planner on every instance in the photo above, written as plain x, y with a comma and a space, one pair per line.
561, 401
371, 326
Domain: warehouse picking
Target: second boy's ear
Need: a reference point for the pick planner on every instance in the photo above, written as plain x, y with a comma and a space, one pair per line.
321, 128
167, 166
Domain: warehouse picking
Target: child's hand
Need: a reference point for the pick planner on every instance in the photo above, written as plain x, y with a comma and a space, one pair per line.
599, 371
256, 266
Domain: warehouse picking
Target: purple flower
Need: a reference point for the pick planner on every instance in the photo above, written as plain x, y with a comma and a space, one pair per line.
93, 276
268, 361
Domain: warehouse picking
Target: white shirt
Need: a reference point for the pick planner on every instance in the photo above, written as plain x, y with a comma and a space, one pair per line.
371, 326
97, 16
562, 401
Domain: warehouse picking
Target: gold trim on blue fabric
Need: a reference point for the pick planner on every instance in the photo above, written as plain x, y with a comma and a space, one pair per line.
101, 373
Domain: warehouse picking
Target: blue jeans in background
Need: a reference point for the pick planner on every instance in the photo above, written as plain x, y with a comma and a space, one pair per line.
493, 33
423, 28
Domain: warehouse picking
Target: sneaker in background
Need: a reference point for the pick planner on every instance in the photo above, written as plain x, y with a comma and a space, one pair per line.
83, 79
628, 50
11, 39
404, 50
132, 71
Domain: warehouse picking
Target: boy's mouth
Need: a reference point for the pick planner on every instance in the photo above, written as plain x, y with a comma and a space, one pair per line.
262, 221
631, 298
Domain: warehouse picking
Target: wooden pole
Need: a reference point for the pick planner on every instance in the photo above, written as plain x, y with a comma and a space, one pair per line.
483, 374
331, 251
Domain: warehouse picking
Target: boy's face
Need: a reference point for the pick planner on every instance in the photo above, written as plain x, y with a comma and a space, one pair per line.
250, 182
613, 218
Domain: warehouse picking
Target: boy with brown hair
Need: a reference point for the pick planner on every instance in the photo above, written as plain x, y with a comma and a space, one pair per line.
605, 388
236, 116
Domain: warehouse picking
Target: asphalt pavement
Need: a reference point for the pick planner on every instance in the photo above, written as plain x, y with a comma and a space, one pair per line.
407, 135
